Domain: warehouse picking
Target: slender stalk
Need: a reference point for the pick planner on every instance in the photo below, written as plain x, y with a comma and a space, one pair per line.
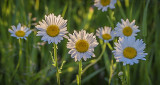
111, 72
128, 75
91, 64
56, 63
127, 71
79, 73
111, 65
20, 53
19, 59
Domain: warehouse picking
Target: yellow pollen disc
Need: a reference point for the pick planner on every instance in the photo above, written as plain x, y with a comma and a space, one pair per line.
106, 36
20, 33
82, 46
129, 52
52, 30
105, 2
127, 31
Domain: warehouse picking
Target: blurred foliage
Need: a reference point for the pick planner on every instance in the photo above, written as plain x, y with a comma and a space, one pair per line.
36, 63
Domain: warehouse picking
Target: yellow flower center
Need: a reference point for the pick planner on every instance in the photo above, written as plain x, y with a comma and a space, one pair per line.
82, 46
105, 2
127, 31
52, 30
129, 52
20, 33
106, 36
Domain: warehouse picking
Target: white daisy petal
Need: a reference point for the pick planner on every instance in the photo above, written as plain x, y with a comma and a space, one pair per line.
105, 34
14, 28
81, 45
25, 30
129, 50
20, 32
11, 31
28, 32
104, 4
126, 29
19, 26
52, 29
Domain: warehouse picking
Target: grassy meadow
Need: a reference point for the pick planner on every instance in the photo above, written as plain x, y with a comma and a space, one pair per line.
36, 66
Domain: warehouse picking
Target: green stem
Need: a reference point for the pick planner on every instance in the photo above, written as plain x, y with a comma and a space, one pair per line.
79, 73
127, 74
111, 72
20, 54
55, 57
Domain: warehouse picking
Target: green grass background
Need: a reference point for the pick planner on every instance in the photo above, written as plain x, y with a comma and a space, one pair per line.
36, 63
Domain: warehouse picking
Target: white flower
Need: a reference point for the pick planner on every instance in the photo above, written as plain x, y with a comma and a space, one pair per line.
19, 32
120, 73
128, 50
81, 45
126, 28
52, 29
105, 4
105, 34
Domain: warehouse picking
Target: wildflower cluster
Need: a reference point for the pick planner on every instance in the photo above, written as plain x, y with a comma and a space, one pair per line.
81, 44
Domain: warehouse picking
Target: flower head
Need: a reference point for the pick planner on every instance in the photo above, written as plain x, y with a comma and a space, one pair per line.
81, 45
105, 4
20, 32
128, 50
120, 73
105, 34
52, 29
126, 28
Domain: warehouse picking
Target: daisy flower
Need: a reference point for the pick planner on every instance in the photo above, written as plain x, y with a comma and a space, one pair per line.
126, 29
81, 45
105, 34
105, 4
52, 29
129, 50
19, 32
